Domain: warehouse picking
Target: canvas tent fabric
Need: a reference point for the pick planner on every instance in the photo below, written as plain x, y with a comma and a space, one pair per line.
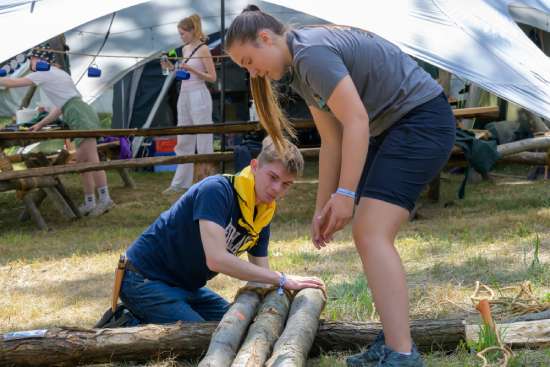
477, 40
37, 21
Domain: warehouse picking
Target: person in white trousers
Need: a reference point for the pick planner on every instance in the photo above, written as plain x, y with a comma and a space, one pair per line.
195, 101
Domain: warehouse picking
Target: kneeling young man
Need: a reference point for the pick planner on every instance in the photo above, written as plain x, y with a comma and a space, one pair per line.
203, 234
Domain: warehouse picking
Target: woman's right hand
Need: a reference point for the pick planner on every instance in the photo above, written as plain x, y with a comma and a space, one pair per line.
318, 225
296, 282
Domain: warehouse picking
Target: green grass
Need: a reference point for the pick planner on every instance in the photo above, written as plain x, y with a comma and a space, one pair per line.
500, 235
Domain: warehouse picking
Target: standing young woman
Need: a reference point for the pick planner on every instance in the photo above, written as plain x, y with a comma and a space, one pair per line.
386, 130
78, 115
194, 102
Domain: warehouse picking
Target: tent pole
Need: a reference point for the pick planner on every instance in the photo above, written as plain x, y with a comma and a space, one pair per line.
222, 75
136, 143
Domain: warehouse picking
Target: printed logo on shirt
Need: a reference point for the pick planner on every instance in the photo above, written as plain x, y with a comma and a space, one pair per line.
235, 239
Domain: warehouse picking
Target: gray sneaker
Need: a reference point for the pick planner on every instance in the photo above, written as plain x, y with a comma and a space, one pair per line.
369, 357
85, 209
394, 359
102, 208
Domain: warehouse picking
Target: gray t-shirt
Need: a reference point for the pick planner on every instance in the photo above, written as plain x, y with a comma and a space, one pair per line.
389, 82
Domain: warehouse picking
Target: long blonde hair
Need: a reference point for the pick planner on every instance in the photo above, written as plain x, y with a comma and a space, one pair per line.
193, 23
245, 28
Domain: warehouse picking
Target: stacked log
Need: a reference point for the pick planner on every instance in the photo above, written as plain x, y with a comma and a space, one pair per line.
231, 330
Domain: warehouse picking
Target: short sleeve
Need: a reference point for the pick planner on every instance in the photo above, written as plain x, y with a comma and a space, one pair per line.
260, 250
213, 201
38, 77
321, 68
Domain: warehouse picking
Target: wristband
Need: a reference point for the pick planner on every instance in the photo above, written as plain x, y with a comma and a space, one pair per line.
345, 192
282, 282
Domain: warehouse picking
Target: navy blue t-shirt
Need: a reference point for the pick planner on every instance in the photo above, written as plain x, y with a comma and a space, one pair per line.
171, 249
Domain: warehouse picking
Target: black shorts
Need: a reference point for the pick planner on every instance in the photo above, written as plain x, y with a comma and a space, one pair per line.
407, 156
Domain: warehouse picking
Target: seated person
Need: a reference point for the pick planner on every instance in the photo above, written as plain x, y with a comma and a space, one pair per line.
202, 234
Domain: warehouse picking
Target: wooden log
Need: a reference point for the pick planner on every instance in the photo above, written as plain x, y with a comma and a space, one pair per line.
264, 331
34, 212
518, 334
60, 202
542, 142
527, 158
116, 164
231, 331
126, 178
520, 158
428, 335
26, 183
70, 346
225, 128
61, 189
38, 198
294, 344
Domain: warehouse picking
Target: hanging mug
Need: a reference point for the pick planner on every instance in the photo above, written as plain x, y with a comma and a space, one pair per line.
182, 74
94, 71
3, 72
42, 65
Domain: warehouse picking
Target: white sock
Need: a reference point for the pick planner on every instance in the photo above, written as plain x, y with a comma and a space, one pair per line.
103, 192
89, 200
405, 354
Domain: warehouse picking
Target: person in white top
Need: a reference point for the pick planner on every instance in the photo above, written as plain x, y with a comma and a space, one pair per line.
194, 102
78, 115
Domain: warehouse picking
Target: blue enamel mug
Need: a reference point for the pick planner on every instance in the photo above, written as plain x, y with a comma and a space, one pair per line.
182, 74
3, 72
94, 72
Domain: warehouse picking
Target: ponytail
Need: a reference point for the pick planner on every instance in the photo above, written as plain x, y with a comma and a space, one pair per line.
269, 111
193, 23
245, 28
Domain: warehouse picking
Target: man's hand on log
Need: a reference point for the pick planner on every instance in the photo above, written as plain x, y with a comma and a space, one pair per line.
296, 282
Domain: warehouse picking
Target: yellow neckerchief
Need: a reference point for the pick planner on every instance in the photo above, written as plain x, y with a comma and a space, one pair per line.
243, 184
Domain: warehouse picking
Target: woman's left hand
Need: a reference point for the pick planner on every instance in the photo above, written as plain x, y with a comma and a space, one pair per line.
337, 212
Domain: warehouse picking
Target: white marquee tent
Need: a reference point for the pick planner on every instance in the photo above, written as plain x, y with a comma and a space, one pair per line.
477, 40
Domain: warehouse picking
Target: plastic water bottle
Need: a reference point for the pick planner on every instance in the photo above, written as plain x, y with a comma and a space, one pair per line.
165, 70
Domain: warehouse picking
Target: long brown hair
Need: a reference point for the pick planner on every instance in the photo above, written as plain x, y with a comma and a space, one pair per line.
244, 28
193, 23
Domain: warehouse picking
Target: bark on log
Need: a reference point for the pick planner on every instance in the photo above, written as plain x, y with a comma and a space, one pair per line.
116, 164
294, 344
264, 331
428, 335
528, 158
231, 330
518, 334
542, 142
70, 346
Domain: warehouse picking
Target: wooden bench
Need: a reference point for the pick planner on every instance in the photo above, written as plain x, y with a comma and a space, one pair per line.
33, 190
